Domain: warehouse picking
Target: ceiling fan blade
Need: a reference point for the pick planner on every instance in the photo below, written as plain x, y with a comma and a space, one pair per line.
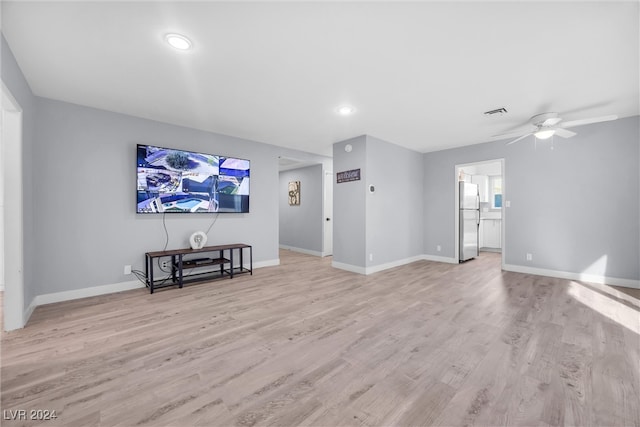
528, 130
565, 133
518, 139
588, 121
551, 121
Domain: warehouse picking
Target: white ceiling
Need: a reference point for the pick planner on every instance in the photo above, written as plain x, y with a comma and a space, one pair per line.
420, 74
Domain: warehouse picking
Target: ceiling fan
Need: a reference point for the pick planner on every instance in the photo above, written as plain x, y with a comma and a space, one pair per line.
545, 125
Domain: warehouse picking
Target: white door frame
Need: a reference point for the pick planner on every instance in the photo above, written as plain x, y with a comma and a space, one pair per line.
327, 213
11, 146
457, 207
326, 208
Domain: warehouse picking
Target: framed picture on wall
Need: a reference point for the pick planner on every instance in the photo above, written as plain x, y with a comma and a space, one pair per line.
294, 193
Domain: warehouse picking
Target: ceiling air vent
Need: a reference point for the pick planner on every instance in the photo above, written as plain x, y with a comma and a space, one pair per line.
500, 111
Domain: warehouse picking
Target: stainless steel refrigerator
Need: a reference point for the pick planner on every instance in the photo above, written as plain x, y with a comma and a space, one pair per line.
469, 220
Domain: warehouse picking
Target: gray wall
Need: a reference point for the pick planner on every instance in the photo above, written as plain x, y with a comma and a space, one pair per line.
14, 80
85, 196
301, 225
572, 206
394, 212
371, 229
80, 226
349, 204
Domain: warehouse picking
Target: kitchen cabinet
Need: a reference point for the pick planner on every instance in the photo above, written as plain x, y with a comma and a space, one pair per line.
491, 233
483, 186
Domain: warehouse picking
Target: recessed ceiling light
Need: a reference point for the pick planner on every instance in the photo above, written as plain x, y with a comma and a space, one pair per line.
178, 41
345, 110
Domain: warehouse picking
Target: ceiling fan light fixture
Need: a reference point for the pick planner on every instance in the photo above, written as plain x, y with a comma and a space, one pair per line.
178, 41
544, 133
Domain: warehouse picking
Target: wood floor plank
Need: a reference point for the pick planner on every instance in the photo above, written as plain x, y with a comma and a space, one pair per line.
304, 344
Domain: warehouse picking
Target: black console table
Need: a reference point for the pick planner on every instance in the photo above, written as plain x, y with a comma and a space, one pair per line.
211, 262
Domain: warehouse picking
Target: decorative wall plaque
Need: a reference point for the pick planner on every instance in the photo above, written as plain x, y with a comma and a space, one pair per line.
346, 176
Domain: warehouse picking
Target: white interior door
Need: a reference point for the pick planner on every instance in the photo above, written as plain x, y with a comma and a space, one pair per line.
327, 248
11, 146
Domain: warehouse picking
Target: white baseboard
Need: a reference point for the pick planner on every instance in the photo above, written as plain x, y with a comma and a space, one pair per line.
348, 267
436, 258
125, 286
87, 292
77, 294
267, 263
592, 278
102, 290
392, 264
26, 315
301, 250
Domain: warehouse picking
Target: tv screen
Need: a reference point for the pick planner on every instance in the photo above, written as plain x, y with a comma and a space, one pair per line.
180, 181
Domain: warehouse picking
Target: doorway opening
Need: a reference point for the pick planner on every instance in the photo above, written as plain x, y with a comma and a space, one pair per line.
489, 179
11, 209
306, 224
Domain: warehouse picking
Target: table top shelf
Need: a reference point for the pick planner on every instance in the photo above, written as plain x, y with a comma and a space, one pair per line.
187, 259
188, 251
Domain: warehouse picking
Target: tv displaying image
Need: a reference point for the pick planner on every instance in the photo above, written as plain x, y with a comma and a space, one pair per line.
180, 181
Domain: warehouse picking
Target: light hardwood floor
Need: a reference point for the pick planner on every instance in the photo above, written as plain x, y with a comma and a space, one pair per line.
305, 344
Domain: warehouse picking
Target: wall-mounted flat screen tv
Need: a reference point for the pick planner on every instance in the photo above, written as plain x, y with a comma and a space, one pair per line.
181, 181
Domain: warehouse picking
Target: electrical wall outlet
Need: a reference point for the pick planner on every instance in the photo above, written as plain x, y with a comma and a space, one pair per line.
438, 248
529, 257
164, 264
127, 269
370, 257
